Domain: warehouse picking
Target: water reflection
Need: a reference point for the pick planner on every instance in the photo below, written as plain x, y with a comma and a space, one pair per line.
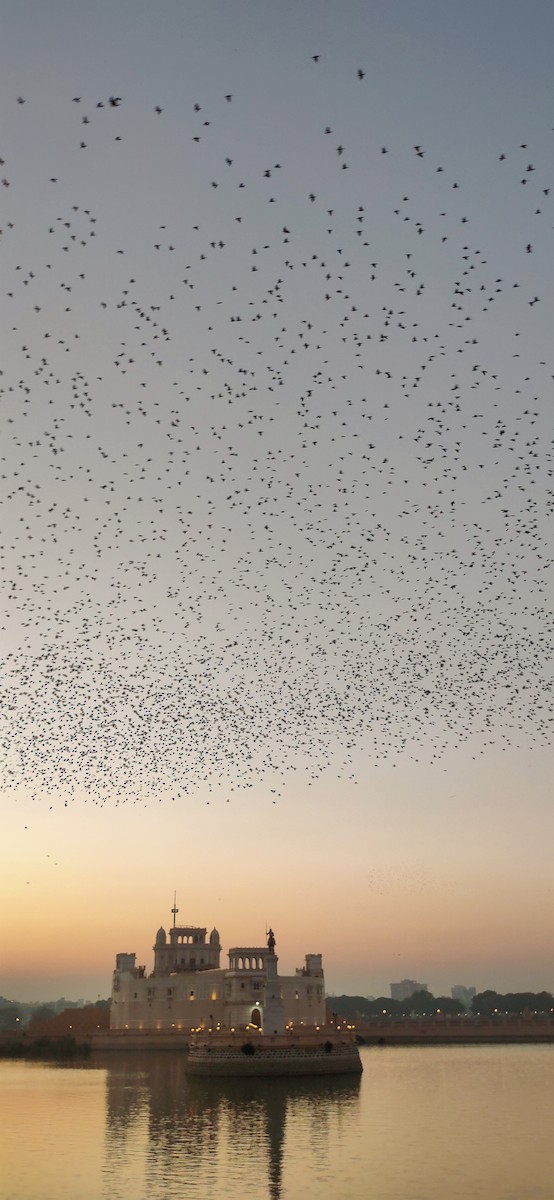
423, 1123
174, 1135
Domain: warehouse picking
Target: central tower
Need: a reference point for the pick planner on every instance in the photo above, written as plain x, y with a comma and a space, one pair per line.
186, 950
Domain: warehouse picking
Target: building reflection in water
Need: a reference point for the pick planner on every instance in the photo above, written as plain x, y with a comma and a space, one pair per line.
169, 1135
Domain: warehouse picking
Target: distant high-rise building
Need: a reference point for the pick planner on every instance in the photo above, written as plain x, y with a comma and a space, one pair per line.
463, 993
406, 988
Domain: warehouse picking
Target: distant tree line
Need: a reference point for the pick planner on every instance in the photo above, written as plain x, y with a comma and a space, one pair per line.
359, 1008
491, 1003
422, 1003
9, 1016
16, 1015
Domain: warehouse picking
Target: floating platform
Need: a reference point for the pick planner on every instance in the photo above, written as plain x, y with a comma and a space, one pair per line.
243, 1055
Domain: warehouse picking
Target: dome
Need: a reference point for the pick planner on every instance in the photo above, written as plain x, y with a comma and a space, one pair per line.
161, 936
214, 937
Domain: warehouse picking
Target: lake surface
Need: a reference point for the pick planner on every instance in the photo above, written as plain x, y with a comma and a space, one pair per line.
422, 1123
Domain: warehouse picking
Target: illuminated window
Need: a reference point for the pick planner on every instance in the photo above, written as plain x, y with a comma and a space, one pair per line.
214, 995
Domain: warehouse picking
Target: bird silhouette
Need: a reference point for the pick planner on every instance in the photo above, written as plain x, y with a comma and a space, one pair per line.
276, 475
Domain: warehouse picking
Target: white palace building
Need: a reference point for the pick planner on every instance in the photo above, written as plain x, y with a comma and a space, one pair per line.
188, 990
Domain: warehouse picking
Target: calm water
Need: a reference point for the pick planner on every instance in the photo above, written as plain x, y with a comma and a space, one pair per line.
424, 1123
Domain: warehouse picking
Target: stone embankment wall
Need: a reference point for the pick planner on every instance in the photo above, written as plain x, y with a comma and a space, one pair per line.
280, 1057
392, 1031
103, 1040
420, 1030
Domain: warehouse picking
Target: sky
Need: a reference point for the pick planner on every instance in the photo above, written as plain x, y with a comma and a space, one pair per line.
276, 479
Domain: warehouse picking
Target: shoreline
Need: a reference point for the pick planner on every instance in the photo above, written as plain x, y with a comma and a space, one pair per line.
391, 1032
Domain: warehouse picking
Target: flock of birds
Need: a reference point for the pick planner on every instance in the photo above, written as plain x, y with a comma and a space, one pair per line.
276, 462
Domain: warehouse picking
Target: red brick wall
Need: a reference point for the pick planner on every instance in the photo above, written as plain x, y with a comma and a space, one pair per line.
75, 1021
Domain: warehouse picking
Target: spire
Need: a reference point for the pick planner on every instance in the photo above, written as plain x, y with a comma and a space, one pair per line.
174, 910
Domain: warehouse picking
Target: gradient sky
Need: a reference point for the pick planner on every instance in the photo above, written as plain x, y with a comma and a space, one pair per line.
278, 630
